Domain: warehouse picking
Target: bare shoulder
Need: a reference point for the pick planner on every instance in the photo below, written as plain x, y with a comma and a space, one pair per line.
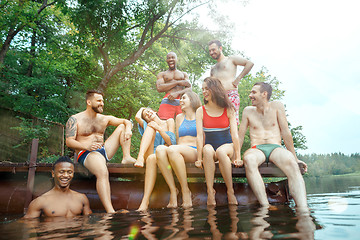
170, 121
80, 196
179, 117
249, 110
199, 110
277, 105
160, 74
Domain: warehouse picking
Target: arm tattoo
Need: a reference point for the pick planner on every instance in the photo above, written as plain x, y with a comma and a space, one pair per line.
71, 127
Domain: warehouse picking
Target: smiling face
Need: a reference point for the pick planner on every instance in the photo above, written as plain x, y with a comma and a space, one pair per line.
171, 60
256, 96
185, 102
97, 103
206, 92
63, 173
148, 115
215, 51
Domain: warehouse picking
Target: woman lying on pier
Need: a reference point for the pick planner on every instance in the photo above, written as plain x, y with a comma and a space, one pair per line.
154, 132
217, 120
176, 155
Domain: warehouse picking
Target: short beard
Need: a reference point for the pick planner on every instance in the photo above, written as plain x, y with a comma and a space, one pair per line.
96, 109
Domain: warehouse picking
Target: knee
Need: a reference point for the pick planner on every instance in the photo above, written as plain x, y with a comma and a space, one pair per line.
208, 150
220, 154
161, 151
250, 162
151, 159
121, 127
102, 173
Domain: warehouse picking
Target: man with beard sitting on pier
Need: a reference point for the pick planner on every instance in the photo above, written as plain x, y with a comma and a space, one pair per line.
268, 125
60, 201
85, 133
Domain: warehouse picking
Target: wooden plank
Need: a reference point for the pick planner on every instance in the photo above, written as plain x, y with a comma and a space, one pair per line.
128, 170
31, 174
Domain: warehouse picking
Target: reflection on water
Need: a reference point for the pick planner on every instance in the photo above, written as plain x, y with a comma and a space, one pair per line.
333, 215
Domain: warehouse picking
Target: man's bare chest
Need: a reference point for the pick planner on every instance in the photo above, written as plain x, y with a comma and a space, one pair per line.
224, 67
87, 127
173, 75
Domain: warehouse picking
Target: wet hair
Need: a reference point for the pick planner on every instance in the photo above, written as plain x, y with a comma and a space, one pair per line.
218, 93
217, 42
63, 159
90, 93
195, 102
265, 87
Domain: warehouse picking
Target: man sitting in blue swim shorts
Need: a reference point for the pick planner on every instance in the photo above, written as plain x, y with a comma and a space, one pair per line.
268, 125
85, 134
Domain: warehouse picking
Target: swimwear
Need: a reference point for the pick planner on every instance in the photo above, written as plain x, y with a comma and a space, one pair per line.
158, 138
267, 149
217, 129
188, 128
235, 100
82, 155
193, 147
169, 108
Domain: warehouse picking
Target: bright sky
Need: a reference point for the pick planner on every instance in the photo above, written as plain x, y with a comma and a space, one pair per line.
313, 48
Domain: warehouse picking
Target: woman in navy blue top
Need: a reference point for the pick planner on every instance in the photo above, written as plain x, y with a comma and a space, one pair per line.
176, 155
217, 138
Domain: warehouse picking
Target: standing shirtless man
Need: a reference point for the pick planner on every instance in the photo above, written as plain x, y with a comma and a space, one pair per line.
225, 71
268, 125
60, 201
85, 134
174, 83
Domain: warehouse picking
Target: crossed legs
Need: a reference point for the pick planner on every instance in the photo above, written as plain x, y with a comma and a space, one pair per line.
284, 160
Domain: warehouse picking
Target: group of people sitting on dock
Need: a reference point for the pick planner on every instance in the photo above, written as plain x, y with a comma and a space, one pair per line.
183, 131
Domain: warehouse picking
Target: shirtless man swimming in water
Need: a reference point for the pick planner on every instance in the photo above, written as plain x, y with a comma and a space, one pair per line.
225, 71
60, 201
268, 125
174, 83
85, 134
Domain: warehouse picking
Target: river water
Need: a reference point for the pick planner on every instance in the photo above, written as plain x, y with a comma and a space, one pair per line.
334, 204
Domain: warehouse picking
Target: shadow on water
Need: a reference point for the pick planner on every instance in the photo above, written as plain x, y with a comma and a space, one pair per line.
334, 214
229, 222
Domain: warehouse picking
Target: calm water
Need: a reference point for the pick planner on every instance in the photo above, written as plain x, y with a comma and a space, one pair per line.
334, 214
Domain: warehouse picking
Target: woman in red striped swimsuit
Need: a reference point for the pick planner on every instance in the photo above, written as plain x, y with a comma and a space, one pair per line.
216, 122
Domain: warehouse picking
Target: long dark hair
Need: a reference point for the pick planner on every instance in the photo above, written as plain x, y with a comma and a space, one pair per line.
218, 93
195, 102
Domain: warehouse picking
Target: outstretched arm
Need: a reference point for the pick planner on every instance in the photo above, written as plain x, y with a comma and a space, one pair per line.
285, 131
199, 137
114, 121
239, 61
243, 127
235, 138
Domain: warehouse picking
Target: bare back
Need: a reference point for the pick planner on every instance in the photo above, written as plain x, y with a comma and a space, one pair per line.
225, 71
264, 128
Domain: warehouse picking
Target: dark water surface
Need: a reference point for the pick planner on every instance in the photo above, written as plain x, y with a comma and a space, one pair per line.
334, 214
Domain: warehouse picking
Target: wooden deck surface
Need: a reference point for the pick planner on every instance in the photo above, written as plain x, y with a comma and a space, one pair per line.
128, 170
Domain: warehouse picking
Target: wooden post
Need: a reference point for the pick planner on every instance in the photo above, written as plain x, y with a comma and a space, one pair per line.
31, 173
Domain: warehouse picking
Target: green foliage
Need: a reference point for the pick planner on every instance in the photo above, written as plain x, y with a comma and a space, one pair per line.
28, 131
331, 164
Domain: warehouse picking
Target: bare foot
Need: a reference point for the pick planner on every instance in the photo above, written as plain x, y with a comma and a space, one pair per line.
122, 211
232, 199
187, 202
143, 206
173, 199
139, 162
211, 198
128, 160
